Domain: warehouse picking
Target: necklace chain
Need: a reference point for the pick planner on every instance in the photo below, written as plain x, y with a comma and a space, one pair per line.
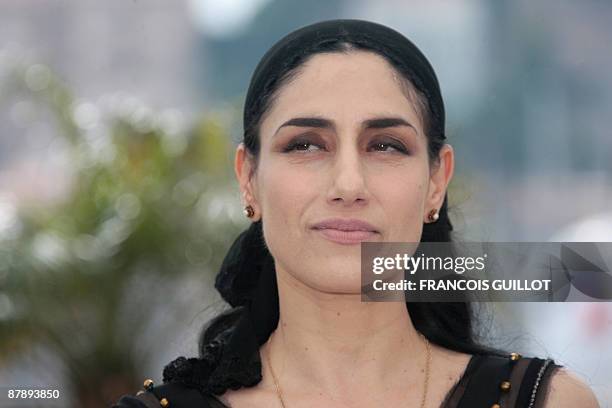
425, 384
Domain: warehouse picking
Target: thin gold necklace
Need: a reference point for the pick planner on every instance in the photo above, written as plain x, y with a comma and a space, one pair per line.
425, 385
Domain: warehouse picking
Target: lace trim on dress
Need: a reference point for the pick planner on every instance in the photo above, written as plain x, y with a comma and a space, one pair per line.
230, 361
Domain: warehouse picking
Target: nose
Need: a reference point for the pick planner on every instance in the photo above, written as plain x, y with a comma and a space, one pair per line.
348, 181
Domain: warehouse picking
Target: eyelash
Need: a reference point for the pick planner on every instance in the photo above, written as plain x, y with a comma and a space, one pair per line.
301, 142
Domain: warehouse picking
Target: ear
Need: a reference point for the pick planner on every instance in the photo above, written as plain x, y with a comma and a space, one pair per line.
440, 176
244, 169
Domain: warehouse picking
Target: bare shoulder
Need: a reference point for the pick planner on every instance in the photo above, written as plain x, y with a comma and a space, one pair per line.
567, 390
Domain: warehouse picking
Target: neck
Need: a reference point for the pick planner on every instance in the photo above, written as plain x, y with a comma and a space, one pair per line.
337, 344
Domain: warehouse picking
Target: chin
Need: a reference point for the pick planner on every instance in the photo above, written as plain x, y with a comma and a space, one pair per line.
336, 276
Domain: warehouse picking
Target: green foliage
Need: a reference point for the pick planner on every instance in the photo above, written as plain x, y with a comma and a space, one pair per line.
152, 204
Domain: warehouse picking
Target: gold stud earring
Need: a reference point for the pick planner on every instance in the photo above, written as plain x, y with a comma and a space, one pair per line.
249, 211
433, 215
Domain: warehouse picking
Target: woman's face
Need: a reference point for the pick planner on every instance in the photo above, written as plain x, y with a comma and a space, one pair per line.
341, 140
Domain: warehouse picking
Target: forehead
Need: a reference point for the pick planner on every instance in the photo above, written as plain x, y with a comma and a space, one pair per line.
346, 87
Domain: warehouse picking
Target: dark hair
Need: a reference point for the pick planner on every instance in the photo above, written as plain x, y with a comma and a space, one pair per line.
446, 324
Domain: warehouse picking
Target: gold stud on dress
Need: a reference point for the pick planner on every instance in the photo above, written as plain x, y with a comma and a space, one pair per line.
505, 386
148, 384
164, 402
515, 356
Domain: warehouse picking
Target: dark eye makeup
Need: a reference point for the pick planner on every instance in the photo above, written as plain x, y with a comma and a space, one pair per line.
301, 144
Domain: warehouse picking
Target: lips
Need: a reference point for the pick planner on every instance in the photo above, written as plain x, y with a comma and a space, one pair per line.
343, 224
345, 231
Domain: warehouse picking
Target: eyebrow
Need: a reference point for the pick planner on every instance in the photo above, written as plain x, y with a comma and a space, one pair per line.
322, 123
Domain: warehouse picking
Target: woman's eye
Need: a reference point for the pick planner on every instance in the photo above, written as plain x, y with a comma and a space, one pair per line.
300, 145
384, 147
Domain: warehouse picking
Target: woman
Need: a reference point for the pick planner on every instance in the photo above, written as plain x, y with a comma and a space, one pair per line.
344, 142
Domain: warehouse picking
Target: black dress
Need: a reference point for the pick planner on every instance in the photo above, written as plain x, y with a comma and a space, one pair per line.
483, 384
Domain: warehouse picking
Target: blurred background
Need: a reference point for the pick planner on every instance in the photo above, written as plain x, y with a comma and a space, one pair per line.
118, 124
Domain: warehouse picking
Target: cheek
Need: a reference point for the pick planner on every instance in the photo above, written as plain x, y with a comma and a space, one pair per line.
285, 190
402, 196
